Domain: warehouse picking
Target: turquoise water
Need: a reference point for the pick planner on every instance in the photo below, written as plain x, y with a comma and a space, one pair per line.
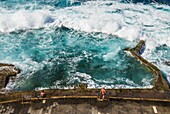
58, 44
64, 57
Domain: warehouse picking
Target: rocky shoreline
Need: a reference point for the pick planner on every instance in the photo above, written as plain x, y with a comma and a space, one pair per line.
6, 71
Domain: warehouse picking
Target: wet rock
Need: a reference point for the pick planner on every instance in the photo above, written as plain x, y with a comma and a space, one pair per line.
167, 63
139, 48
7, 70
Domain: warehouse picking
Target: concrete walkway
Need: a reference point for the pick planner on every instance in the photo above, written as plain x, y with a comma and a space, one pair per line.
85, 106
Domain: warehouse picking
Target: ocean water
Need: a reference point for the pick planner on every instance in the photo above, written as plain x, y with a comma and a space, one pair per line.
61, 43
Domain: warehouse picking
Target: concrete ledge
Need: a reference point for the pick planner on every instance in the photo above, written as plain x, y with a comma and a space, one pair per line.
86, 97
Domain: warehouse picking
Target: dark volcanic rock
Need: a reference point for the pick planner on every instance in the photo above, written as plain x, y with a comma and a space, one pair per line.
167, 63
139, 48
7, 70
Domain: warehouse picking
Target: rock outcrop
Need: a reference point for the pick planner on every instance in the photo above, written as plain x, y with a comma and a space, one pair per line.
7, 70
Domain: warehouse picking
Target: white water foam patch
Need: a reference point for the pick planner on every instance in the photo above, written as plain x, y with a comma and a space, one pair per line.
129, 84
129, 21
22, 19
110, 56
77, 78
80, 78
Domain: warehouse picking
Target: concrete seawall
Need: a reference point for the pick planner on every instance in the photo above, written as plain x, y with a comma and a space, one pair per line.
160, 83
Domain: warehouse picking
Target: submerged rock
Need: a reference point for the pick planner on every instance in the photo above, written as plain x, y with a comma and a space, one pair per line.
7, 70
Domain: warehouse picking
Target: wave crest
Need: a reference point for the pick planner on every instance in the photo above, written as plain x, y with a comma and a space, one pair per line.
23, 19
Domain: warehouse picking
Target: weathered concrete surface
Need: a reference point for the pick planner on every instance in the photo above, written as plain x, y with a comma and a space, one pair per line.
130, 94
84, 106
7, 70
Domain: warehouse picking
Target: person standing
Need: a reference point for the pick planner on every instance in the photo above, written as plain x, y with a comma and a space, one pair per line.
43, 94
103, 93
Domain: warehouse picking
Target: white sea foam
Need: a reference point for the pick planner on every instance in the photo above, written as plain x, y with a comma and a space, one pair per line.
22, 19
110, 56
128, 21
80, 78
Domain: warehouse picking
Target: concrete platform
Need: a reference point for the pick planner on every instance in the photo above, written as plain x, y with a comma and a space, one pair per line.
85, 106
